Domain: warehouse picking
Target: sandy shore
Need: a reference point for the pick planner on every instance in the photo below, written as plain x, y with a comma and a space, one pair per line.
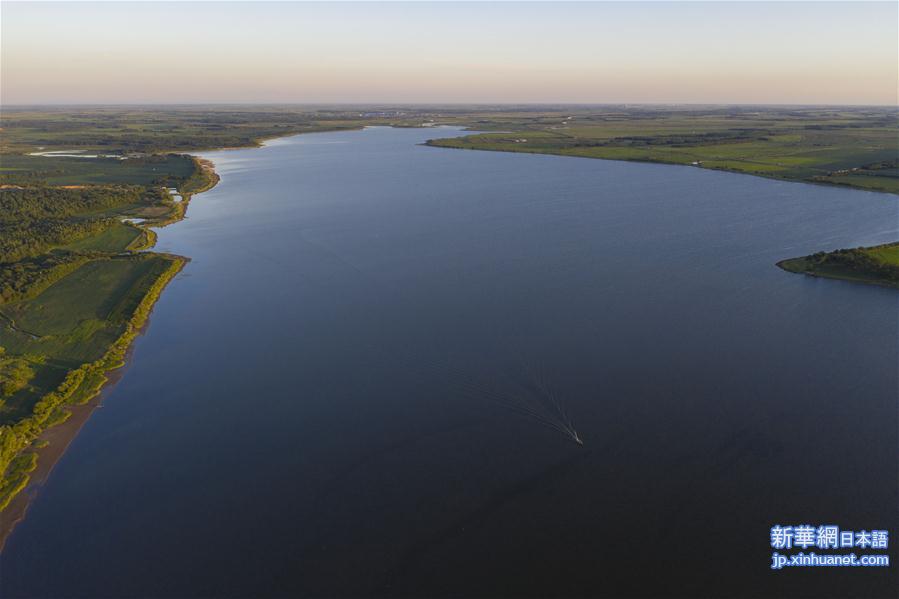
58, 438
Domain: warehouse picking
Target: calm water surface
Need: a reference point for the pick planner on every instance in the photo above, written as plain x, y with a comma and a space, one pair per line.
312, 410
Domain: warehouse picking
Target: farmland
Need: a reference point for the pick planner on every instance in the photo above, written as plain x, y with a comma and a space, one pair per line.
26, 169
851, 147
66, 333
117, 238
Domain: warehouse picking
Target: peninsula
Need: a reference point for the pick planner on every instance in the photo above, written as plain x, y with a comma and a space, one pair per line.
878, 265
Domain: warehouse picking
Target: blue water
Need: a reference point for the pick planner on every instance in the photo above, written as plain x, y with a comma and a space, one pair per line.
313, 410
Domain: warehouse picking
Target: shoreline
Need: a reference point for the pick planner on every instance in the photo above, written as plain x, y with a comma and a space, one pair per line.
59, 436
786, 264
834, 277
648, 161
51, 444
111, 368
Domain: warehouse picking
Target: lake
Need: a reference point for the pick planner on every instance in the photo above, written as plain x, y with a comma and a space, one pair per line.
350, 390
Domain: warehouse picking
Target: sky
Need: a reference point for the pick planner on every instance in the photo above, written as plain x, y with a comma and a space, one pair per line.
446, 52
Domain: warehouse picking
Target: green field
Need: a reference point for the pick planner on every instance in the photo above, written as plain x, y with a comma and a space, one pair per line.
105, 289
65, 332
117, 238
886, 254
168, 170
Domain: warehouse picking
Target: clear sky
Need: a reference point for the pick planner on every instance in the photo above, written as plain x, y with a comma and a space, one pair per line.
704, 52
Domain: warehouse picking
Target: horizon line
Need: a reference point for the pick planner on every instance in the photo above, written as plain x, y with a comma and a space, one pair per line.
440, 104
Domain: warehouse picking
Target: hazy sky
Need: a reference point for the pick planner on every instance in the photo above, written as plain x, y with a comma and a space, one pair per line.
808, 52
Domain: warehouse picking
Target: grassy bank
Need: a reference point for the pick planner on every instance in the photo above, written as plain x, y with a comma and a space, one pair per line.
75, 289
878, 265
133, 286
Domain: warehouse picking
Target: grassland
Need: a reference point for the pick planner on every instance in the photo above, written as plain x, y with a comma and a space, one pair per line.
166, 170
851, 147
66, 333
878, 265
120, 237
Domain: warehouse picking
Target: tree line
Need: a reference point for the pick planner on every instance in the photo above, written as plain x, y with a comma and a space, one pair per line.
60, 202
